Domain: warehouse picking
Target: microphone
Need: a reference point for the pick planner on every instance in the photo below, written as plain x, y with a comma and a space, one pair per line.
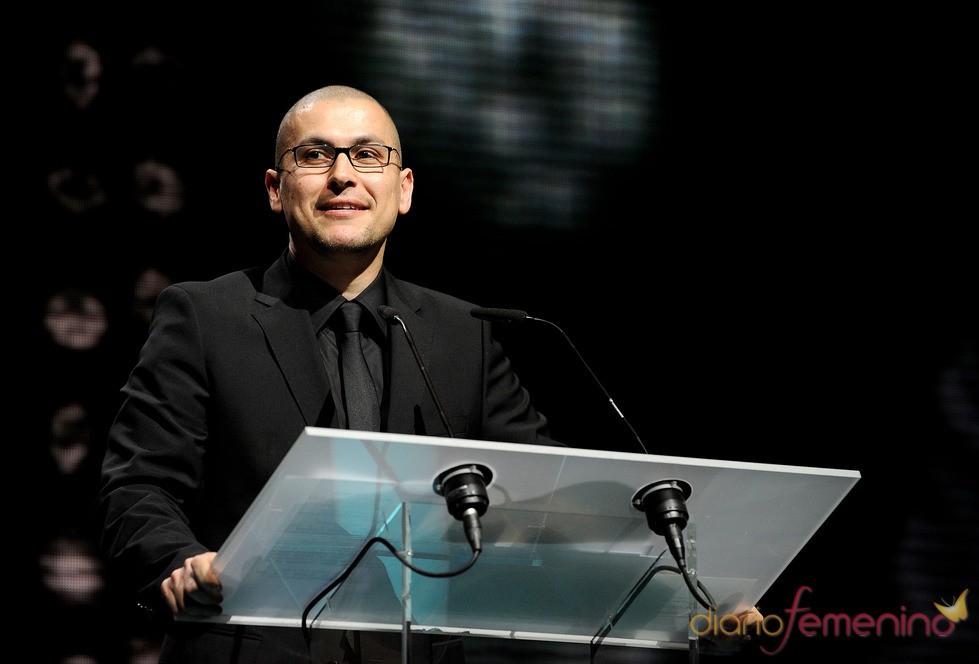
464, 488
518, 316
392, 316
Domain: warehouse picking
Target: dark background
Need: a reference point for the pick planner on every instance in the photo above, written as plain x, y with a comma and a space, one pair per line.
754, 223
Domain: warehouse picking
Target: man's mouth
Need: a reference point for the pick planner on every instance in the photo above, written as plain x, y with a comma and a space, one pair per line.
342, 206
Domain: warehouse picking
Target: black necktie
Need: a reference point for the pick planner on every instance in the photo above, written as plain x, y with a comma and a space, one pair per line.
359, 395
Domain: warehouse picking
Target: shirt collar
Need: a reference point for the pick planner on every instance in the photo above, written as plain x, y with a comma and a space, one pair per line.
322, 300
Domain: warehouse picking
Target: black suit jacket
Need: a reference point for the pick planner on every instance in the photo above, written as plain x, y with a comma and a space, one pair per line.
229, 376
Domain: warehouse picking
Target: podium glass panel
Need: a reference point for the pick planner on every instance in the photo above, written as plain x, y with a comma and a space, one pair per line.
563, 542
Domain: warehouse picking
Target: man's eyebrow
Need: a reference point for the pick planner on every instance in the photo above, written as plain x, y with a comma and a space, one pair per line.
360, 140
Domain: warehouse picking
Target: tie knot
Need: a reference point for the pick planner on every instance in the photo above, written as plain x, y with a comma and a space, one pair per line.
351, 316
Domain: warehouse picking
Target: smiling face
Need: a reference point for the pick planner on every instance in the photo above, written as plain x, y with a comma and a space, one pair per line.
339, 214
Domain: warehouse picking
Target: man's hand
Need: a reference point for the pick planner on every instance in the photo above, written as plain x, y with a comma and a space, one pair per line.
194, 590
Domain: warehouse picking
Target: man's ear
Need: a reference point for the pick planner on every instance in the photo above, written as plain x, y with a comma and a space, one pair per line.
407, 188
272, 187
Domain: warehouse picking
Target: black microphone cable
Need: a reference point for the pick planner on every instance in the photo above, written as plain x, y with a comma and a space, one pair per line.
708, 603
400, 556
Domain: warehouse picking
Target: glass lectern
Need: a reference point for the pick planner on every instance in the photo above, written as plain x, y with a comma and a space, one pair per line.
564, 544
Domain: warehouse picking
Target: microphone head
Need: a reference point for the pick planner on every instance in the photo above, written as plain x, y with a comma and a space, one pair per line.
387, 313
499, 315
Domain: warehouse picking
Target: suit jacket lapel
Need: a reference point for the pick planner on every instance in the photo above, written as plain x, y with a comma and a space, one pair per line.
407, 385
292, 342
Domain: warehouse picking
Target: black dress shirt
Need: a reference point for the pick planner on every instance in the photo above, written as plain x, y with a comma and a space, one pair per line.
323, 301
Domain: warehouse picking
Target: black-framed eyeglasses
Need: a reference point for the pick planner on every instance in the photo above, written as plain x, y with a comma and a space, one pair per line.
367, 156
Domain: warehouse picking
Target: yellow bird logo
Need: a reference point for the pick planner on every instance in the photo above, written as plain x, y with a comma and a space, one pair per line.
957, 611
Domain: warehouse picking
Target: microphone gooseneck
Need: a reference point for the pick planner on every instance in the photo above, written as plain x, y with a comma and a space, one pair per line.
499, 315
464, 489
518, 316
392, 316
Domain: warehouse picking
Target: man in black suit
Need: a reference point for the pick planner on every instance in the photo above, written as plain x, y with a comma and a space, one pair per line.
233, 369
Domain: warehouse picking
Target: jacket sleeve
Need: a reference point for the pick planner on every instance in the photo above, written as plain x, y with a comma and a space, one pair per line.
508, 414
153, 463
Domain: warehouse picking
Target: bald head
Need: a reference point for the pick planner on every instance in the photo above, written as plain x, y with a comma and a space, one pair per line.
286, 136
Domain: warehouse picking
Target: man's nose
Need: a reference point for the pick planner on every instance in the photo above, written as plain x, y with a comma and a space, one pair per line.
342, 169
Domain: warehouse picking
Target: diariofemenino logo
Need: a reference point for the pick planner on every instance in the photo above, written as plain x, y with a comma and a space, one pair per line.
808, 624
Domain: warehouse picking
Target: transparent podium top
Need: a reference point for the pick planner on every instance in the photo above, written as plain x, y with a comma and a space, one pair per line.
563, 543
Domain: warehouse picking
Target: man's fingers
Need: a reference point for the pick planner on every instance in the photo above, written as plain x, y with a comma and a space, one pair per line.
173, 590
207, 586
169, 595
194, 589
